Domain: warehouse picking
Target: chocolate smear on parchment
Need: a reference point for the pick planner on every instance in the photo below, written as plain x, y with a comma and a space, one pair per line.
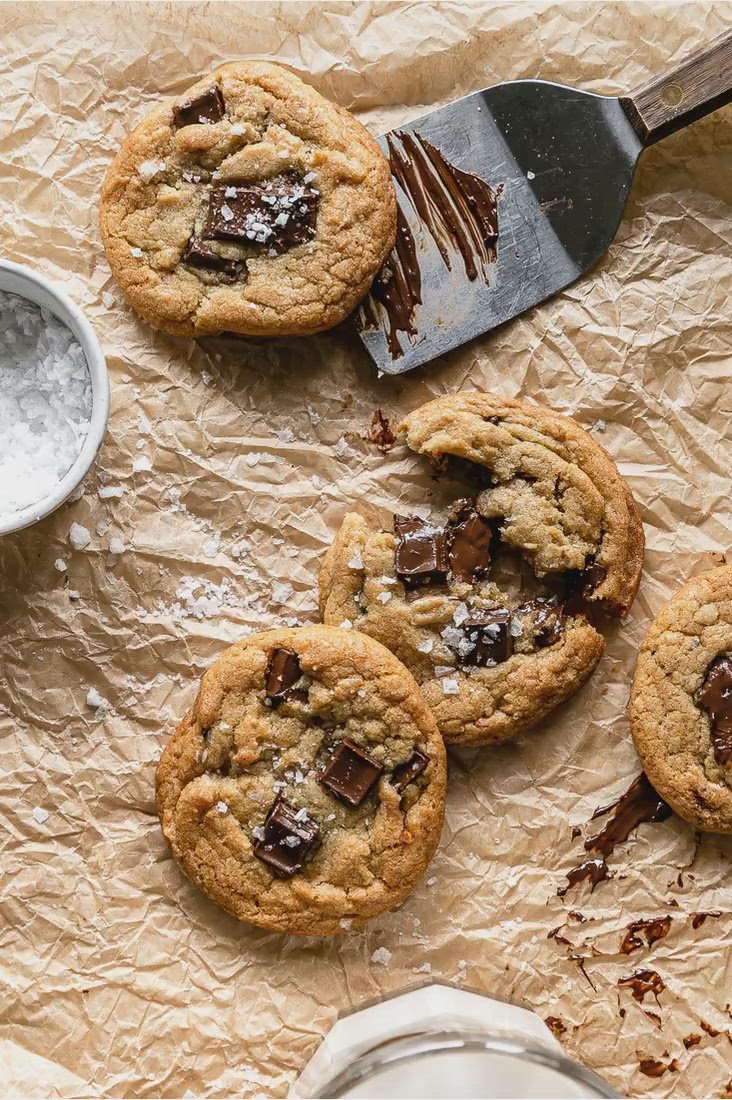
643, 982
639, 804
381, 432
652, 929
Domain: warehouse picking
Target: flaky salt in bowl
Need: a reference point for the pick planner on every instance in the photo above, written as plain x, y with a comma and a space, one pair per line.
54, 396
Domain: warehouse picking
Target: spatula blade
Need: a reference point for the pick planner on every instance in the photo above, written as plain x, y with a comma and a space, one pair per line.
563, 162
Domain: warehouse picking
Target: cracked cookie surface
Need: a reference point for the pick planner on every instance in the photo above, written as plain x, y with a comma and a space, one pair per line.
304, 791
681, 702
248, 204
493, 658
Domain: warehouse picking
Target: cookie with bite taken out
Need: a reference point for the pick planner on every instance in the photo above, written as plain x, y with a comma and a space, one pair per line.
493, 606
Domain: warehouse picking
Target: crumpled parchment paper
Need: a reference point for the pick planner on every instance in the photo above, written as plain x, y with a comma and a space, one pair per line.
117, 977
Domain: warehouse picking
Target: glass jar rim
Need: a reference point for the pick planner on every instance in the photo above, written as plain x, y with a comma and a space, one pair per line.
405, 1049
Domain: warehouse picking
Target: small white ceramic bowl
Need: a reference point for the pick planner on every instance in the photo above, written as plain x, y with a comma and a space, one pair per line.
19, 280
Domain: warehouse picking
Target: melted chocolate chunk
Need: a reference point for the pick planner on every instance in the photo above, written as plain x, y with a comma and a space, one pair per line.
548, 625
490, 635
198, 254
405, 774
282, 674
715, 697
469, 543
421, 552
350, 773
591, 578
276, 214
289, 836
207, 108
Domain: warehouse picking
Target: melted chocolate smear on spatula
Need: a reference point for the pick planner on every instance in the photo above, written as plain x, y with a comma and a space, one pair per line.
458, 209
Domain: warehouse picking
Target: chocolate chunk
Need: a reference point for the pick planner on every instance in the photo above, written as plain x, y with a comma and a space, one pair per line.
421, 552
289, 836
469, 540
405, 774
548, 625
350, 773
490, 636
282, 674
276, 214
591, 578
207, 107
715, 697
198, 254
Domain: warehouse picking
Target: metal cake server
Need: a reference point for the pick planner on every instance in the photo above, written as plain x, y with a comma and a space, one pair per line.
551, 165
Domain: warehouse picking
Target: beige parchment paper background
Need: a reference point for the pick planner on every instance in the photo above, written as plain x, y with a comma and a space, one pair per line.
117, 978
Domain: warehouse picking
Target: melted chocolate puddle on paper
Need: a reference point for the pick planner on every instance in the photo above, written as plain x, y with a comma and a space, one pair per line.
642, 982
460, 212
653, 928
639, 804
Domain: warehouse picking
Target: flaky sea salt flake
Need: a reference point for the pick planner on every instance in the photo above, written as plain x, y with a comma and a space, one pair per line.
79, 536
381, 955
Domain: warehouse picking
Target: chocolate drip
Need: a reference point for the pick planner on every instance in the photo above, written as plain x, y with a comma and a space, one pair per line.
398, 288
639, 804
596, 870
715, 698
651, 1067
698, 919
653, 928
380, 432
458, 208
643, 982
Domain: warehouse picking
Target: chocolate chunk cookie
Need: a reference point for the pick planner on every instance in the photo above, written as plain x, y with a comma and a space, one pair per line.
681, 703
493, 650
304, 791
249, 204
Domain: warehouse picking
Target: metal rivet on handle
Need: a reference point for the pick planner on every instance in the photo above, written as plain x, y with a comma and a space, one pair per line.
672, 95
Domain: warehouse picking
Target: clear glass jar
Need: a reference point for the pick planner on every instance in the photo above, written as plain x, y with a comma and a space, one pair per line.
436, 1040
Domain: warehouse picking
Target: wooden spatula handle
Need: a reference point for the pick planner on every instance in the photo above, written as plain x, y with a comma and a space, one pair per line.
695, 87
